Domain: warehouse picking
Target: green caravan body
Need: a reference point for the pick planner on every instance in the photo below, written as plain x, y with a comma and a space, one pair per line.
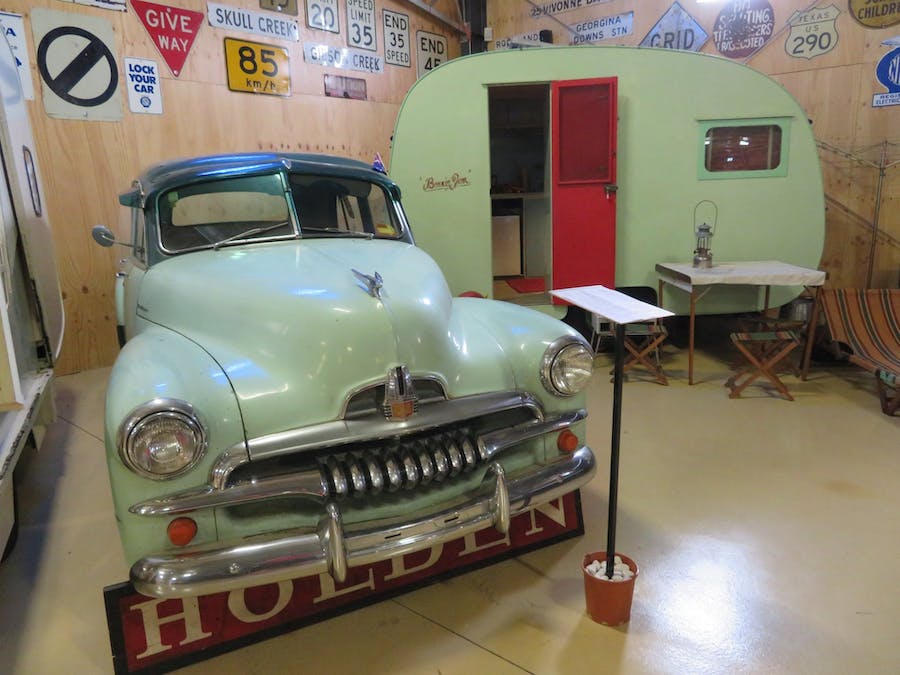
667, 103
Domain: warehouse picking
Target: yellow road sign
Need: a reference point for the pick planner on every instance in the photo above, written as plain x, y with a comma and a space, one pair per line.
257, 68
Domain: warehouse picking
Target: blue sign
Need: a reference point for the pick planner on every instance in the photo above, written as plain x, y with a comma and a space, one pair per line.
888, 73
676, 29
888, 70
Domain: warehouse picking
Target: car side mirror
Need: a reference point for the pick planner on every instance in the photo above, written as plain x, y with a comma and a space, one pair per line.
103, 236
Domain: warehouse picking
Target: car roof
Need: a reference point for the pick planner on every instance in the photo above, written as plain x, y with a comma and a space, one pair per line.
179, 172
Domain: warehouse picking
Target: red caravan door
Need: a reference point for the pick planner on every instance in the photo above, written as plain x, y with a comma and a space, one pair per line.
584, 182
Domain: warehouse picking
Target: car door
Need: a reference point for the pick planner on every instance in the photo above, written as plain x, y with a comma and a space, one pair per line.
129, 277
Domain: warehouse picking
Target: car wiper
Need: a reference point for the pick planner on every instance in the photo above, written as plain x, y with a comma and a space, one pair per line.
335, 232
250, 232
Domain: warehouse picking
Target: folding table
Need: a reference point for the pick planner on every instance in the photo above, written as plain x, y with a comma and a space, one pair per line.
697, 281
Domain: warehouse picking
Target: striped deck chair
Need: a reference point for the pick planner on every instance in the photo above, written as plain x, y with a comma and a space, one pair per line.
866, 323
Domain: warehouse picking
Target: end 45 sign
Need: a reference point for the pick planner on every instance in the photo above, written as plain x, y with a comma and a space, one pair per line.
431, 51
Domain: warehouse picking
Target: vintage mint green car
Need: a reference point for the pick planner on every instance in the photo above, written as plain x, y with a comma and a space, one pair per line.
298, 392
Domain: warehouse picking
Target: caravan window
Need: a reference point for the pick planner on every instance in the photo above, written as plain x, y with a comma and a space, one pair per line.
743, 148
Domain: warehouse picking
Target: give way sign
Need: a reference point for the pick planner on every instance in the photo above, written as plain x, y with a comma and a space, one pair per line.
172, 29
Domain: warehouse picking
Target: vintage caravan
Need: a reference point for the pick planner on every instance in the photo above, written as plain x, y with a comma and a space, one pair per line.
533, 169
31, 310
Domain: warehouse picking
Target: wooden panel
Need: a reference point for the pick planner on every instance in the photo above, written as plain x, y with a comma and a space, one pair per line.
85, 165
835, 90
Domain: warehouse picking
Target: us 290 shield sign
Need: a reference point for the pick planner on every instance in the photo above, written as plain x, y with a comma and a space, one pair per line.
257, 68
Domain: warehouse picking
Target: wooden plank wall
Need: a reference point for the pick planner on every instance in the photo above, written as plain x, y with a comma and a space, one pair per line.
835, 89
85, 165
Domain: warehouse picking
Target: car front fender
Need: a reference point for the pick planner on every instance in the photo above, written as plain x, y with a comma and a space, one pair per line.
161, 364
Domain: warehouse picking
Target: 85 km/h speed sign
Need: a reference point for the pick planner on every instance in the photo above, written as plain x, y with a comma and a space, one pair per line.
257, 68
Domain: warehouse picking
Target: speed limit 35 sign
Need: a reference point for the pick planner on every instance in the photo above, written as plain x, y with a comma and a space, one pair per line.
257, 68
361, 24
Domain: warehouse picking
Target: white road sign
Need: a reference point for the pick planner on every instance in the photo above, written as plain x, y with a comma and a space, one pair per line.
13, 27
361, 25
144, 86
431, 51
323, 15
79, 73
396, 38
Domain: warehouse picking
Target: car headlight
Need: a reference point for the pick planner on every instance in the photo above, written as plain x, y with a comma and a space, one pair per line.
162, 439
567, 366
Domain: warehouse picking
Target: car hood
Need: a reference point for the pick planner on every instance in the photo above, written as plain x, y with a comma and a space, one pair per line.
296, 330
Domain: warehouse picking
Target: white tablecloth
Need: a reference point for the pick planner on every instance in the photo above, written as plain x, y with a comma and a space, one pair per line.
756, 273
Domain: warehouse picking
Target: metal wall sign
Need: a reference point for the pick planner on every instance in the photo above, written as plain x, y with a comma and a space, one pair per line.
743, 27
888, 73
676, 29
337, 57
554, 7
361, 25
118, 5
875, 13
287, 7
78, 70
602, 28
431, 51
341, 86
13, 27
532, 38
257, 68
248, 21
323, 15
813, 32
395, 28
172, 30
143, 85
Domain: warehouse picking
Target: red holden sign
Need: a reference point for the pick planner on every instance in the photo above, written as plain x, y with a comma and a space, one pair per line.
172, 29
156, 635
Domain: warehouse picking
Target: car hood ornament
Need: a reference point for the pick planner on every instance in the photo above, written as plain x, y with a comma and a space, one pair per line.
373, 284
400, 400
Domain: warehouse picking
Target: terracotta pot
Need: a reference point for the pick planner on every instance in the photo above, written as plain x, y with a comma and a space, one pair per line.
608, 602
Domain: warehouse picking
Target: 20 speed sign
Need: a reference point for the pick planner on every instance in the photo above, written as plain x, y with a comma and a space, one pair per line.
257, 68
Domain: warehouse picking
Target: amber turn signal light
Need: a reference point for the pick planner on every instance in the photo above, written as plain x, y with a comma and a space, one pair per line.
181, 531
567, 441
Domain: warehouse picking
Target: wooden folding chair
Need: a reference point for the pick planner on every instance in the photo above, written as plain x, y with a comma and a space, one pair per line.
642, 339
763, 351
642, 342
761, 323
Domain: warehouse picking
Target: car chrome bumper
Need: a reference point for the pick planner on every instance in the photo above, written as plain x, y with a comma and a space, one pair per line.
333, 548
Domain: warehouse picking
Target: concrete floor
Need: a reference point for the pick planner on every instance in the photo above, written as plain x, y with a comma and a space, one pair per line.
767, 534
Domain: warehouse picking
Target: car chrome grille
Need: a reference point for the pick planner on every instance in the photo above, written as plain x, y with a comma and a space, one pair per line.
404, 465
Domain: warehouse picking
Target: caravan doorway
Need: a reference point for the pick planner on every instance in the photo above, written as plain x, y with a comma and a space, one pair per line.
553, 189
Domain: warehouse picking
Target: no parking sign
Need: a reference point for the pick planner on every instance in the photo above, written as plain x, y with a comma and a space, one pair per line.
78, 68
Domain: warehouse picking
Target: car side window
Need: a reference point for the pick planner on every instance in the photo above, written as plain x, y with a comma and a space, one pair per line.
327, 205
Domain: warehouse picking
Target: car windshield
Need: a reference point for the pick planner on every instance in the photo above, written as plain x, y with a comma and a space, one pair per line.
334, 207
219, 212
237, 210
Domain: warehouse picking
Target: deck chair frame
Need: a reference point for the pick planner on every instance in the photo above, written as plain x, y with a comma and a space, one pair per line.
866, 325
